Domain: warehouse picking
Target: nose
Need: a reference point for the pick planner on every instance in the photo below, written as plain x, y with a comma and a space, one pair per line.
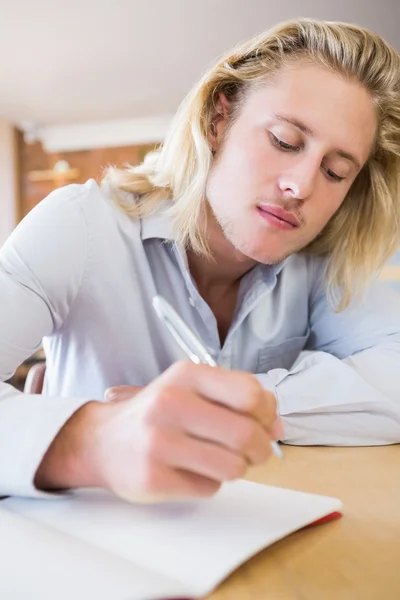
299, 180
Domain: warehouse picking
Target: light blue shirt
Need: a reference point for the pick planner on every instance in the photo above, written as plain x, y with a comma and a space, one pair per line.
81, 274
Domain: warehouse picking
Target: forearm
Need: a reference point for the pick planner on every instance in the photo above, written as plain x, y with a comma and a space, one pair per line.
327, 401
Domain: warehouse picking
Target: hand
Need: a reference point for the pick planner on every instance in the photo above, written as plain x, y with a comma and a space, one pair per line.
121, 392
183, 435
191, 429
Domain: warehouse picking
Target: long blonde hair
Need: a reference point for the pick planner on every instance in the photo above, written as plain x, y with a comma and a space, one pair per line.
365, 230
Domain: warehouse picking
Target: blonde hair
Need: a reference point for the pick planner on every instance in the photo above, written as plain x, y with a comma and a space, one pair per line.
365, 230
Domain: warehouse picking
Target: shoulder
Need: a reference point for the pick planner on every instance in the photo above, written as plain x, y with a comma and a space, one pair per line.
54, 237
79, 210
76, 197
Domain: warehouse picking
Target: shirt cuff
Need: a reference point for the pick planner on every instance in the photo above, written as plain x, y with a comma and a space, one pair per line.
28, 425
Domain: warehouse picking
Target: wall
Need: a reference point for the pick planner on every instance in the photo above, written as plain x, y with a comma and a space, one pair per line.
9, 188
90, 163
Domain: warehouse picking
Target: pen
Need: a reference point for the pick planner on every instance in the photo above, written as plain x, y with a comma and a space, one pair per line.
189, 342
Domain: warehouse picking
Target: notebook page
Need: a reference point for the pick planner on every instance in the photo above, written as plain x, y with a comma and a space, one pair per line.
196, 543
39, 562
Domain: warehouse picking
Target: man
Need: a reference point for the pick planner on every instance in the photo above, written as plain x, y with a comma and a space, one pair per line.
272, 202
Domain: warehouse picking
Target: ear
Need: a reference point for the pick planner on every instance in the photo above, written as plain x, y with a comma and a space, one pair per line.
219, 121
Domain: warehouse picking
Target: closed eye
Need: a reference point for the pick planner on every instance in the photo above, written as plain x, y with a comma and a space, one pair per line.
332, 175
283, 145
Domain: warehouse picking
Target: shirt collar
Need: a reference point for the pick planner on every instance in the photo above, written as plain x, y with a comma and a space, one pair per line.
158, 224
276, 269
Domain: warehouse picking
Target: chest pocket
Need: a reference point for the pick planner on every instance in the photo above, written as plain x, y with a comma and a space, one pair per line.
281, 356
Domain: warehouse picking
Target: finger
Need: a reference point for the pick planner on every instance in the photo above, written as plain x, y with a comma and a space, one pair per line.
173, 484
191, 484
168, 484
277, 431
196, 416
121, 392
183, 452
236, 389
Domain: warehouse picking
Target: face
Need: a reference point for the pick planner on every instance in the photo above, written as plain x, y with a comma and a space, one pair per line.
287, 162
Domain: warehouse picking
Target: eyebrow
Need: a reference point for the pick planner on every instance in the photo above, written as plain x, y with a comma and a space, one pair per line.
349, 156
305, 129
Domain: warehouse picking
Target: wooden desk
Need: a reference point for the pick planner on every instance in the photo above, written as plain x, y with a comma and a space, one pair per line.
354, 558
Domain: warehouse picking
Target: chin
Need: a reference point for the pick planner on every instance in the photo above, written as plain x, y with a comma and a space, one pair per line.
268, 249
263, 247
270, 259
261, 253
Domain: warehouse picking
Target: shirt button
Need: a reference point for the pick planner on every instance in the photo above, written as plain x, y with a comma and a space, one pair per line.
191, 301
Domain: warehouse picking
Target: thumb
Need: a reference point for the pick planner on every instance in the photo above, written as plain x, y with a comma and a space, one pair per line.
278, 430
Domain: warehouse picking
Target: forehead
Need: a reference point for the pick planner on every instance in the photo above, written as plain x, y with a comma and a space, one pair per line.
337, 110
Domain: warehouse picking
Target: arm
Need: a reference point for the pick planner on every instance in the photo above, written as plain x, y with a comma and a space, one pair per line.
41, 268
185, 433
347, 391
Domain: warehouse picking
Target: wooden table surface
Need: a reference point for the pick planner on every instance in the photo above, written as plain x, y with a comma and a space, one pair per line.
356, 557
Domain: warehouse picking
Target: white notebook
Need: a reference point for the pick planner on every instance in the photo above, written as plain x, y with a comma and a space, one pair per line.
91, 546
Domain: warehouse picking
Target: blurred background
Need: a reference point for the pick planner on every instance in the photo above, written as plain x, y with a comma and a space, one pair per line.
89, 83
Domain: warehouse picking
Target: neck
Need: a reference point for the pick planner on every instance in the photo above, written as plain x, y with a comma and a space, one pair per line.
218, 278
223, 271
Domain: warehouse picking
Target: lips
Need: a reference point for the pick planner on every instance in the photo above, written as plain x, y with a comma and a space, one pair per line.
281, 214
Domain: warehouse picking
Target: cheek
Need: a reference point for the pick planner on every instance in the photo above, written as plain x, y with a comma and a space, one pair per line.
247, 161
327, 203
229, 180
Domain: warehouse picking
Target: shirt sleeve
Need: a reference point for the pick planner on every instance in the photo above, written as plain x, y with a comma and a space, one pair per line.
346, 391
42, 266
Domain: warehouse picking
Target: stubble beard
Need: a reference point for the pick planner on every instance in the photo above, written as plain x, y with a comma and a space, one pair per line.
230, 232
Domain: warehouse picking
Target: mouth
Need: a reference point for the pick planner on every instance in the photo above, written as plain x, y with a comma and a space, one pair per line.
278, 217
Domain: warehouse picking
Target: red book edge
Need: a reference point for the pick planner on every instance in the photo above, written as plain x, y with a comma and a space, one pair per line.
325, 519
